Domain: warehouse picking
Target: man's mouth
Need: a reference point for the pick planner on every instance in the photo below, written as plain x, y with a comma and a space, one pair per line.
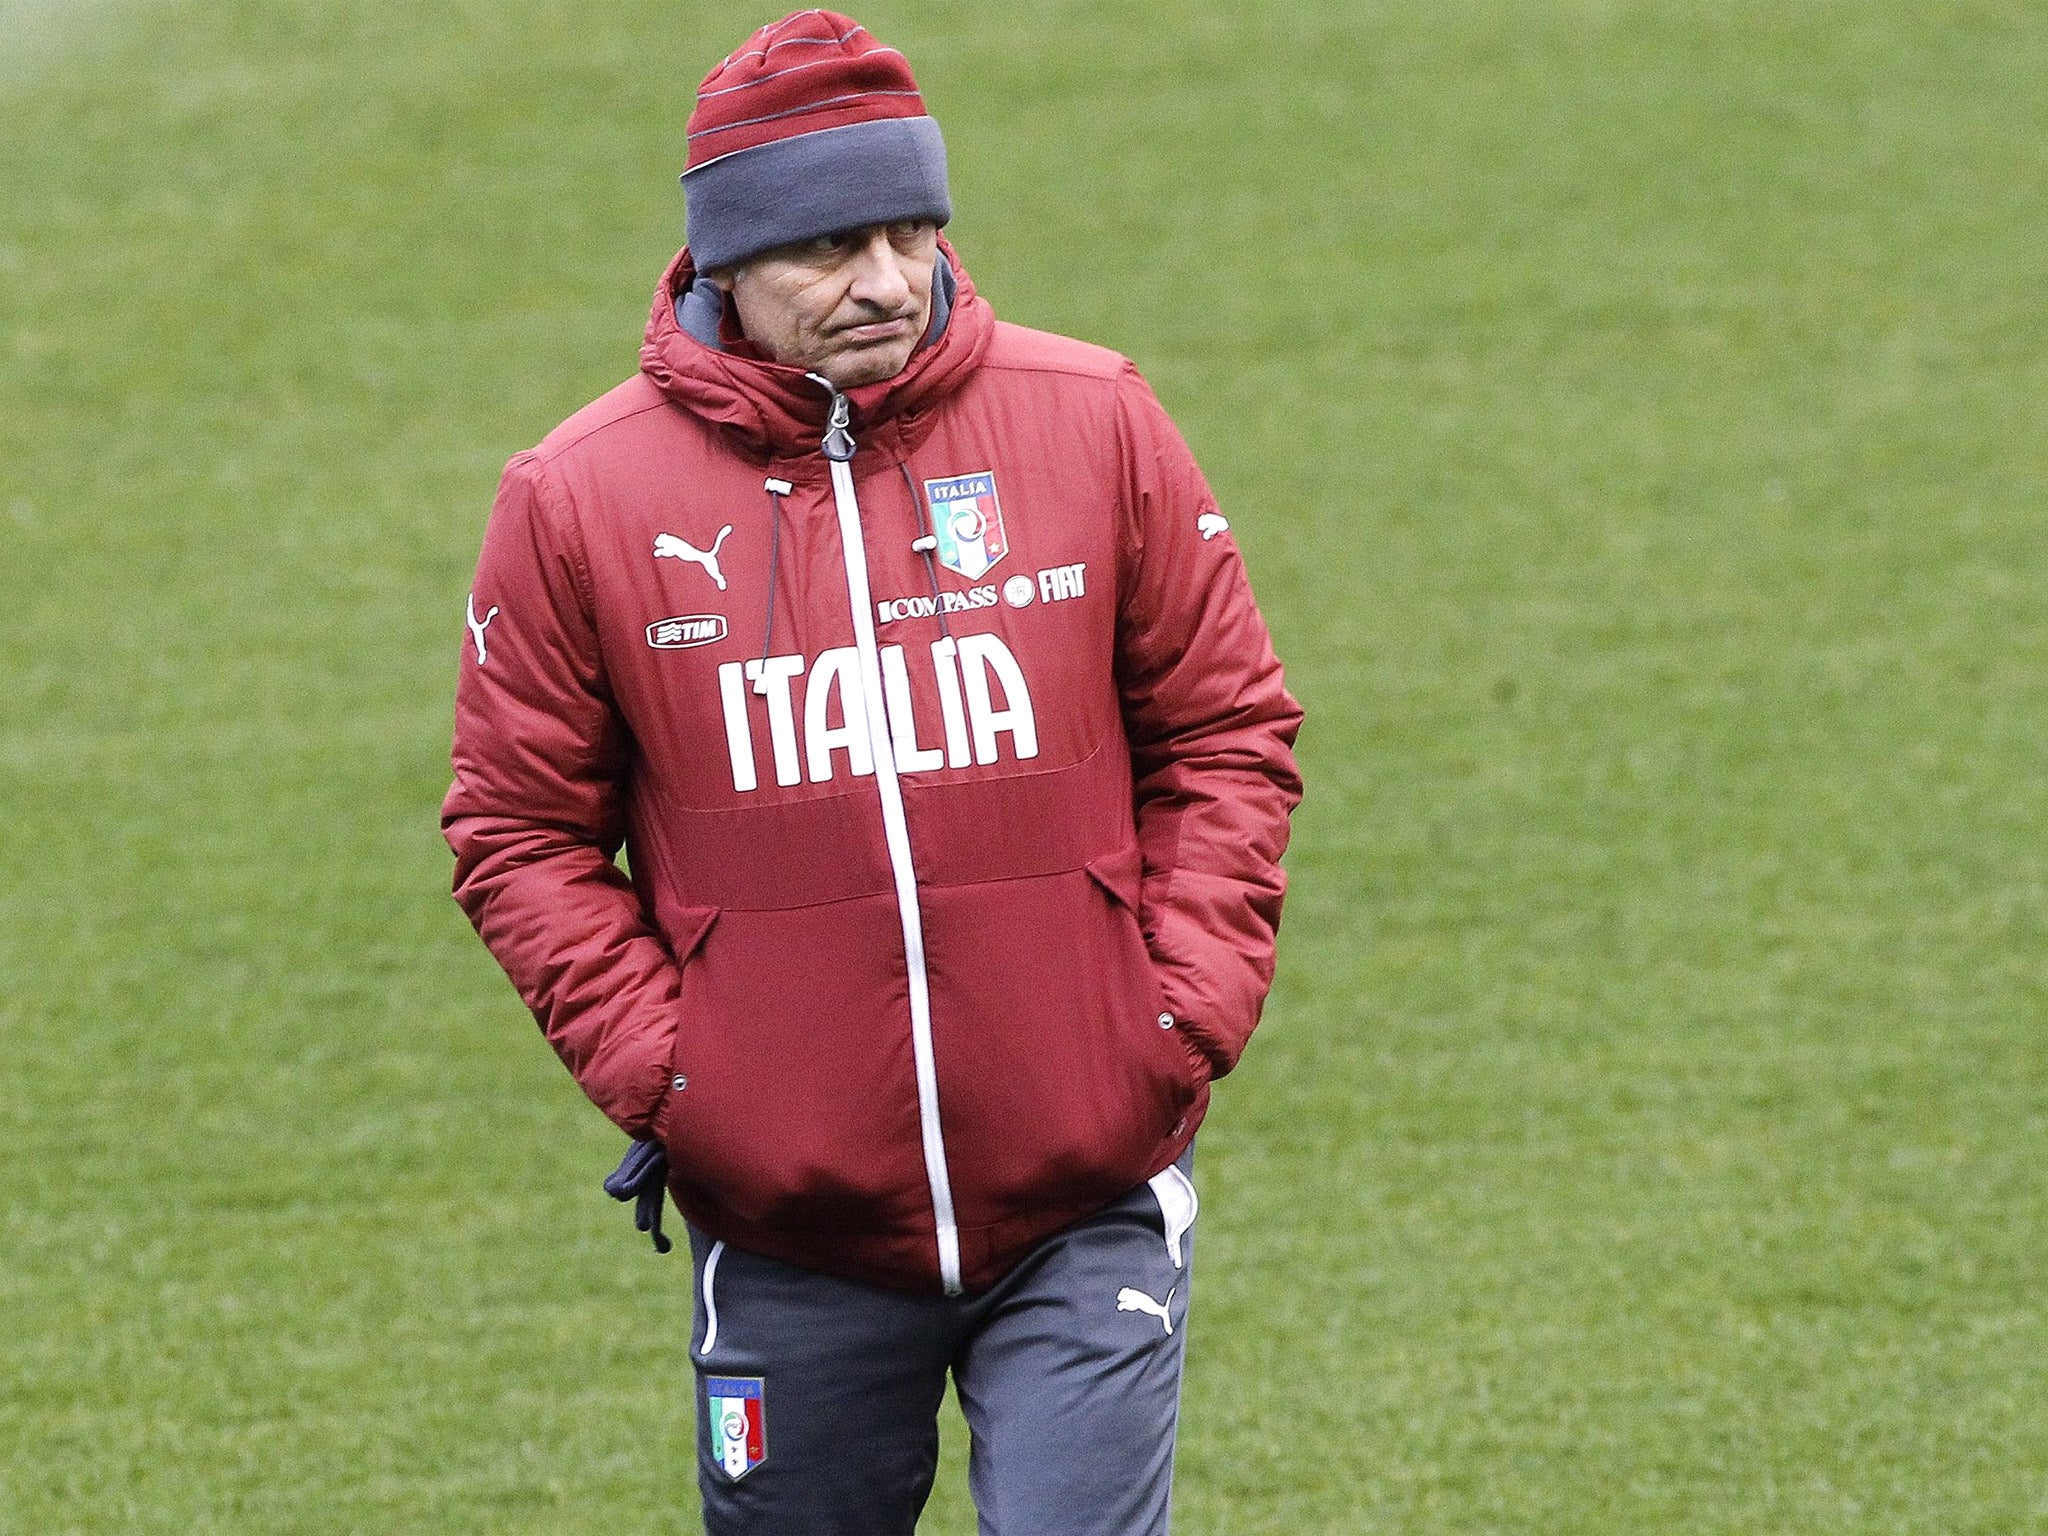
876, 330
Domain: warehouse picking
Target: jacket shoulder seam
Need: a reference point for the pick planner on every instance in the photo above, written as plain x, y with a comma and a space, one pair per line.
548, 450
1104, 376
562, 510
1085, 360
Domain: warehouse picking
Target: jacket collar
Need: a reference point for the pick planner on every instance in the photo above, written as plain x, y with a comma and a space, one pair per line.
774, 410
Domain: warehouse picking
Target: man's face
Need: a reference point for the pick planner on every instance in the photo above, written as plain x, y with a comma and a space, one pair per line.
851, 306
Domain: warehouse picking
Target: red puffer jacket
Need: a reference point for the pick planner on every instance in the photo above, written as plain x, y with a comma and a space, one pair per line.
953, 776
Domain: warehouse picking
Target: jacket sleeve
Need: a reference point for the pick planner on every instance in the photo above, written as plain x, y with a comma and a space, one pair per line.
1211, 729
536, 812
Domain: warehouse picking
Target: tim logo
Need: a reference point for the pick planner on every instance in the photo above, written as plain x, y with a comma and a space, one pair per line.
968, 522
679, 634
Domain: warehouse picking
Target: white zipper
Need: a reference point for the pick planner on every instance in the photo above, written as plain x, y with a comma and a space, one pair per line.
838, 448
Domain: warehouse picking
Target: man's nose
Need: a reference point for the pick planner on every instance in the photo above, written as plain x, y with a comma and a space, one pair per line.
878, 276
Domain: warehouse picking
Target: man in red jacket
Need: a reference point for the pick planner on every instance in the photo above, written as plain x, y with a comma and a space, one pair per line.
909, 658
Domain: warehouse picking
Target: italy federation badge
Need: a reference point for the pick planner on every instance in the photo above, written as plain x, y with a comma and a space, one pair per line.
739, 1429
968, 522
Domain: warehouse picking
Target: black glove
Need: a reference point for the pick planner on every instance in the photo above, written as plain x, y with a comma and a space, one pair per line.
642, 1175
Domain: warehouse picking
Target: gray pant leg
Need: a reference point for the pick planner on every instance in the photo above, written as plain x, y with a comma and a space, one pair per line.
1071, 1381
850, 1381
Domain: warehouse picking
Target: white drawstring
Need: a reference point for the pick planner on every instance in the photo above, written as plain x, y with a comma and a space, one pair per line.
710, 1303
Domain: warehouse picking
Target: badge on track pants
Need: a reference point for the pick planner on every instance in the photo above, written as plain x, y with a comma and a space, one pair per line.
739, 1424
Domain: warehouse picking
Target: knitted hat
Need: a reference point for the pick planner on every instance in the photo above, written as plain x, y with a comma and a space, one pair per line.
811, 128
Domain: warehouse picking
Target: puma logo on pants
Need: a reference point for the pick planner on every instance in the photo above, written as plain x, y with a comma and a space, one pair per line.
1128, 1300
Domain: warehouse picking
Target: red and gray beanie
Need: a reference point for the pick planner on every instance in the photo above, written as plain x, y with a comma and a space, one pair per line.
810, 128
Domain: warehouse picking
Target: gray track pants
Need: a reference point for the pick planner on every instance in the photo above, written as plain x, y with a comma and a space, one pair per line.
818, 1398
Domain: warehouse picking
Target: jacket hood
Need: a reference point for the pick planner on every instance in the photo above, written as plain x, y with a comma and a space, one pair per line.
779, 412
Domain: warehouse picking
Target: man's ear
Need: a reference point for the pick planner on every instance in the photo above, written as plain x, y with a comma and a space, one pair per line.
720, 279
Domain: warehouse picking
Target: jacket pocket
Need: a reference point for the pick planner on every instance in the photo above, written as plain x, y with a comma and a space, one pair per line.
798, 1111
686, 929
1121, 877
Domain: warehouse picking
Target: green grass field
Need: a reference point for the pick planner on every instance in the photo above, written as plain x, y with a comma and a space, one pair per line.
1635, 413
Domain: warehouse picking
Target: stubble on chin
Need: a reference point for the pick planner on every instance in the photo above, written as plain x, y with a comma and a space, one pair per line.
870, 366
